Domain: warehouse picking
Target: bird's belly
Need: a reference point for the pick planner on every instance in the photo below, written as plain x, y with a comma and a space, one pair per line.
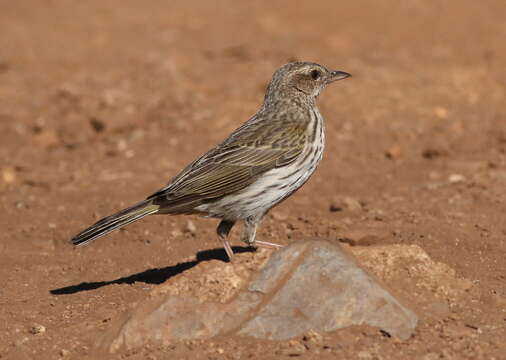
271, 188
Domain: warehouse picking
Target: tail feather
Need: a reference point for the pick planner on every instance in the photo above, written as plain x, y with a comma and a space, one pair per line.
110, 223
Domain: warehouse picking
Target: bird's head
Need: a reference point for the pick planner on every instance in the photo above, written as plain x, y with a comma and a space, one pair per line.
302, 78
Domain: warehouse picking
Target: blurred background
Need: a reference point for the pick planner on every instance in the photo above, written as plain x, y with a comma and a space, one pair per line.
101, 103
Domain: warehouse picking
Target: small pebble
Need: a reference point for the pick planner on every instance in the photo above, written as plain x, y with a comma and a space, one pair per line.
314, 337
64, 352
190, 227
38, 329
441, 112
393, 152
97, 124
456, 178
431, 153
8, 175
345, 203
20, 205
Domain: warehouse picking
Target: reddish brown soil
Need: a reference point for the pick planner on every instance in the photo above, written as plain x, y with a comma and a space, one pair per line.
102, 102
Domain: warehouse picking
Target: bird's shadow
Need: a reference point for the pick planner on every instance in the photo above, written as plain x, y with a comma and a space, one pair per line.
153, 276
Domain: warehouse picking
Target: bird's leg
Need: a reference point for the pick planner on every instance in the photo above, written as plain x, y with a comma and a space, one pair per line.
249, 232
223, 229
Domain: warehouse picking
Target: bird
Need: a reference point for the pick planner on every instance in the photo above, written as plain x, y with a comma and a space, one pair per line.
260, 164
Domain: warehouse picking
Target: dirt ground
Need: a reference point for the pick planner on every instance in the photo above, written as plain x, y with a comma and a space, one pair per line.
102, 102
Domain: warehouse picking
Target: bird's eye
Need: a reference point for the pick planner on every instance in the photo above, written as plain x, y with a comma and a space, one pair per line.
315, 74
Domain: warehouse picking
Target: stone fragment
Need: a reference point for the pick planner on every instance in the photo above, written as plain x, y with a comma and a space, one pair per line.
190, 227
37, 329
344, 203
64, 352
97, 125
9, 175
393, 152
432, 153
456, 178
441, 112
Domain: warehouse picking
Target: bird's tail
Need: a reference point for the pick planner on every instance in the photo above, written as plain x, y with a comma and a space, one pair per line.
109, 223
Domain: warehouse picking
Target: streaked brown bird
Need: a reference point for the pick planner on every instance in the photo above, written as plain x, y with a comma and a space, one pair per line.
259, 165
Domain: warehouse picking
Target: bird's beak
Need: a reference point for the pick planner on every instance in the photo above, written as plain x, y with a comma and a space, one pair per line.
337, 75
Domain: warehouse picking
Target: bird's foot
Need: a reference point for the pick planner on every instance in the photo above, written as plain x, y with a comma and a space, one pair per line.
223, 229
228, 249
266, 244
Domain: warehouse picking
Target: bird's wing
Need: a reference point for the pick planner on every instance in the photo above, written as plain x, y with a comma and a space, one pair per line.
236, 163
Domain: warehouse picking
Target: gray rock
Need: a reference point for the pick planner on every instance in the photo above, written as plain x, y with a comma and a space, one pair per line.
311, 285
316, 285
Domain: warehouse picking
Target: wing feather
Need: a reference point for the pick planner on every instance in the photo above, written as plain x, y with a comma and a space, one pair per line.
234, 164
